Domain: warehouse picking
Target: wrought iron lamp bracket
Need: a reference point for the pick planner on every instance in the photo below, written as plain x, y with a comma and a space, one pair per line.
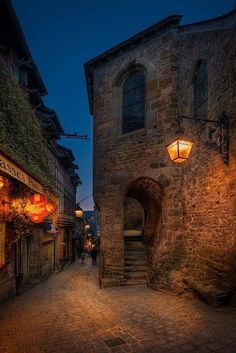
214, 134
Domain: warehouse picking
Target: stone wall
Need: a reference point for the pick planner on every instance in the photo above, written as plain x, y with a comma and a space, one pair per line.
194, 242
209, 184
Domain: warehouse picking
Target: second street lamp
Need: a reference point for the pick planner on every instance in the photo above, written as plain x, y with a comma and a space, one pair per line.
79, 212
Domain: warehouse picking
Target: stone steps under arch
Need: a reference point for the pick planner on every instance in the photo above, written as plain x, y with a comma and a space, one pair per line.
136, 266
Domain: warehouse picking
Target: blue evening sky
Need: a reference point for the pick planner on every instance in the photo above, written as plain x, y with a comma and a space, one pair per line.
64, 34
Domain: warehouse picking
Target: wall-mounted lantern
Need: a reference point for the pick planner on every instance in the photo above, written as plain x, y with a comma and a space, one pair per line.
79, 212
87, 226
214, 134
180, 149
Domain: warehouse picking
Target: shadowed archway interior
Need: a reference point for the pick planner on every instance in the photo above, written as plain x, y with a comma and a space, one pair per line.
149, 194
142, 211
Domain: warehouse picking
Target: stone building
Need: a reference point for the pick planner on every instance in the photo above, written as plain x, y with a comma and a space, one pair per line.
135, 91
23, 168
57, 250
61, 161
36, 173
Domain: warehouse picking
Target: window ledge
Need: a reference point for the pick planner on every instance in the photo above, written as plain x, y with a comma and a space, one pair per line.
132, 133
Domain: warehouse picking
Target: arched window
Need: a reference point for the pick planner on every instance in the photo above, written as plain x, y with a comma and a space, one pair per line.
133, 102
200, 89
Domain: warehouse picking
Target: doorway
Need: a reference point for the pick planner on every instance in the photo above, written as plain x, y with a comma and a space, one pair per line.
25, 265
142, 218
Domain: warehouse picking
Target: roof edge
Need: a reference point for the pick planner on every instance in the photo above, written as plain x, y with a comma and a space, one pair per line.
166, 22
169, 21
210, 20
25, 47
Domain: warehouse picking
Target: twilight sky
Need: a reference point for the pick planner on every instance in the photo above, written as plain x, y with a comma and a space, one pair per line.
64, 34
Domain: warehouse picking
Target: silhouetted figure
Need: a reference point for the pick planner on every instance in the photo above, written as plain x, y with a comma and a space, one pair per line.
78, 251
93, 255
82, 257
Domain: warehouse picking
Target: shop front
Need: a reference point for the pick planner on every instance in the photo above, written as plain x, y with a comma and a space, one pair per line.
25, 251
7, 267
64, 245
23, 207
7, 244
48, 255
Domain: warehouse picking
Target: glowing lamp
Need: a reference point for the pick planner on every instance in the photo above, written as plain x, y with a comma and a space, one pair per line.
87, 226
39, 208
49, 207
79, 212
37, 198
180, 149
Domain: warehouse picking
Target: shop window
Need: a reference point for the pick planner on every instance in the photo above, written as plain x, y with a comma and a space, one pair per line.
133, 102
200, 89
10, 242
2, 244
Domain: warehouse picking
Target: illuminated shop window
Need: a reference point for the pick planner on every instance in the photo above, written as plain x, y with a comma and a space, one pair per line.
2, 244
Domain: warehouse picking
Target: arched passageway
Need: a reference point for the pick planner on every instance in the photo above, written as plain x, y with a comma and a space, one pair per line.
134, 217
142, 223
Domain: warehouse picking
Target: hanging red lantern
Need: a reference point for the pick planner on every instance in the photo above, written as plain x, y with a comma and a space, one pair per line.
39, 208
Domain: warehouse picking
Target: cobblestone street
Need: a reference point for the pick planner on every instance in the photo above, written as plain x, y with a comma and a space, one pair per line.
70, 314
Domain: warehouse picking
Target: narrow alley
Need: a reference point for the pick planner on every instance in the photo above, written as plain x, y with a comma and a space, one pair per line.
68, 313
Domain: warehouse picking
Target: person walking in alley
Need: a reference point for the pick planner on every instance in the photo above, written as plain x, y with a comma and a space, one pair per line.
82, 256
93, 255
78, 250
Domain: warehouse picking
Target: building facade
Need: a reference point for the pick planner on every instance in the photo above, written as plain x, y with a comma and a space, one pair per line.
135, 90
37, 176
63, 170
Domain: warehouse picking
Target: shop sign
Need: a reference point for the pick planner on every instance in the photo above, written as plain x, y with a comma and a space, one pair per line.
15, 172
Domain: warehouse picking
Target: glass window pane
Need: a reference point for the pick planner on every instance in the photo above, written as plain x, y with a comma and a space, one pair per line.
136, 79
200, 88
133, 102
133, 117
134, 96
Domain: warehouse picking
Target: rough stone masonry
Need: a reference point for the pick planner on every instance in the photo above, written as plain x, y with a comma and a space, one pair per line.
190, 231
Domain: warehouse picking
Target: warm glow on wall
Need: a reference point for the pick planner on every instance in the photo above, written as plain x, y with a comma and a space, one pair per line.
3, 182
180, 149
2, 244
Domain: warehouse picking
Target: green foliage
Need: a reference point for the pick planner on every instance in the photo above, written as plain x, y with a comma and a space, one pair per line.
20, 132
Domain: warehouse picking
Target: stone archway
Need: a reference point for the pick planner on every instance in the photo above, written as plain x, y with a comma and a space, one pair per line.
148, 193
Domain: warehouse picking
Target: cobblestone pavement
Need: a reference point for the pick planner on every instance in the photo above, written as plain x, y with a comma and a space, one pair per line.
70, 314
